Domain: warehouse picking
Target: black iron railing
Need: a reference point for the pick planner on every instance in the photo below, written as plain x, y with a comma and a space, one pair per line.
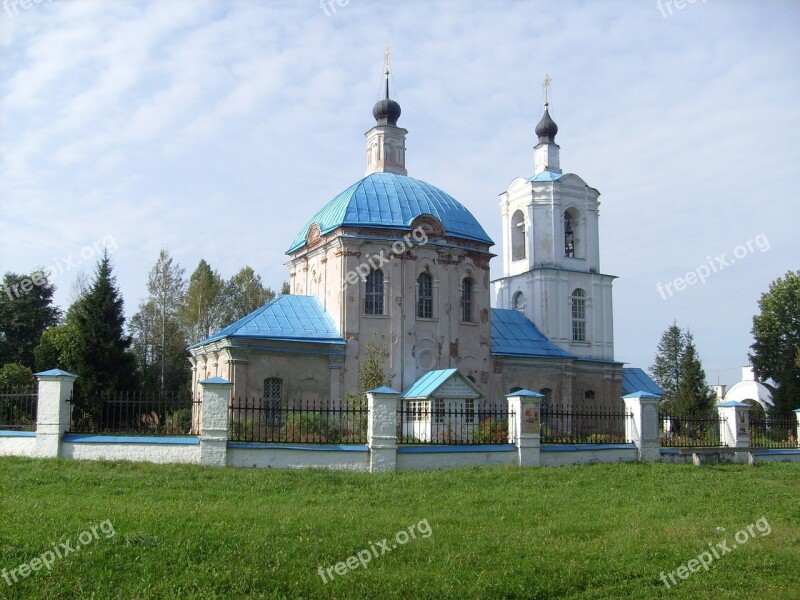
302, 422
565, 425
18, 409
695, 431
773, 431
453, 422
135, 413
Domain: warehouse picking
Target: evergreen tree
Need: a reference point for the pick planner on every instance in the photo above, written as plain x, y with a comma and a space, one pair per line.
26, 310
776, 351
285, 288
693, 396
203, 311
666, 369
105, 364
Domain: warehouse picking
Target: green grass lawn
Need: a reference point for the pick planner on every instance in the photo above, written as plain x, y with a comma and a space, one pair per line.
603, 531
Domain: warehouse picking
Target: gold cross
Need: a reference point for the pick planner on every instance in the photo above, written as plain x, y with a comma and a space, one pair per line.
546, 85
386, 59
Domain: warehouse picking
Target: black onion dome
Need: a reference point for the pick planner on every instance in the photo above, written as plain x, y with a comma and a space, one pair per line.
546, 129
386, 112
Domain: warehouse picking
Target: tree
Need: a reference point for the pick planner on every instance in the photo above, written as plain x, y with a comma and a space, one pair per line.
26, 310
14, 376
160, 336
693, 396
244, 293
105, 363
678, 370
203, 310
285, 288
666, 369
776, 350
372, 367
60, 347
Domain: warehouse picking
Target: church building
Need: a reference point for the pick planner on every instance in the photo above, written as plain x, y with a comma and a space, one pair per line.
399, 261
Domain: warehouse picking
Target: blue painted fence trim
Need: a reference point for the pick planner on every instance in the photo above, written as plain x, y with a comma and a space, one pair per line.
456, 448
669, 451
585, 447
12, 433
323, 447
124, 439
774, 451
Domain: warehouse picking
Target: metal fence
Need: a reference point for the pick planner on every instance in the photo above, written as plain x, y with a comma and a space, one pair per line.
135, 413
302, 422
695, 431
587, 425
18, 409
453, 422
773, 431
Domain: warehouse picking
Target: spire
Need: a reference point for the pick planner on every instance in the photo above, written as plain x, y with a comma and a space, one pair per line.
546, 152
547, 128
386, 142
386, 111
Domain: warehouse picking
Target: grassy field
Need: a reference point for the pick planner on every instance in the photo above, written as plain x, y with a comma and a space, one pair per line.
603, 531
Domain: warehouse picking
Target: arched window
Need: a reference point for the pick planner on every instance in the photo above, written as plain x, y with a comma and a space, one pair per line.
425, 296
518, 245
373, 302
569, 235
588, 395
273, 394
578, 316
518, 302
466, 299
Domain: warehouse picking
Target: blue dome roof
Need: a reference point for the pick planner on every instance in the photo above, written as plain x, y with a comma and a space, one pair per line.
391, 201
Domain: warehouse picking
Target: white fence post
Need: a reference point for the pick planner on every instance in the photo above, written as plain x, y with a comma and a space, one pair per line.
382, 429
735, 431
214, 421
52, 411
797, 437
524, 410
642, 428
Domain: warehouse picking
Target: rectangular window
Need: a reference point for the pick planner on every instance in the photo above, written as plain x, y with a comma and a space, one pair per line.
373, 299
425, 296
466, 300
439, 410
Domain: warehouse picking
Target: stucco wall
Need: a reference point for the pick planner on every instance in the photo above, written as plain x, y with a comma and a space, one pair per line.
16, 445
155, 451
448, 457
297, 457
556, 456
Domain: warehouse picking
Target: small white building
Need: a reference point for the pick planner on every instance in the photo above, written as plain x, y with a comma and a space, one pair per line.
749, 390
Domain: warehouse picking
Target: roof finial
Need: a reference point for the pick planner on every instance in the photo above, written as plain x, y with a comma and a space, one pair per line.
546, 85
386, 68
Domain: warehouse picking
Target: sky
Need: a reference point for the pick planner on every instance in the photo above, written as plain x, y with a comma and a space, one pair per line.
217, 129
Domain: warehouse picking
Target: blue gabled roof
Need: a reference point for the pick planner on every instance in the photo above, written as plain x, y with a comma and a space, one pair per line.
289, 318
636, 380
391, 201
514, 335
429, 383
